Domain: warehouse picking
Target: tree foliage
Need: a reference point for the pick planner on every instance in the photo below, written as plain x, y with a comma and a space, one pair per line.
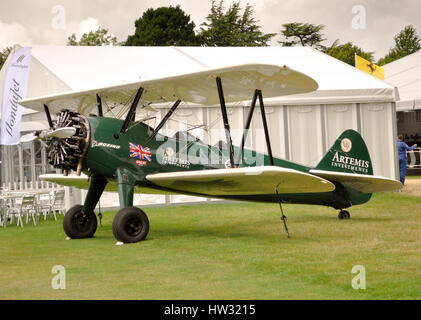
304, 34
346, 52
232, 27
4, 54
165, 26
100, 37
407, 42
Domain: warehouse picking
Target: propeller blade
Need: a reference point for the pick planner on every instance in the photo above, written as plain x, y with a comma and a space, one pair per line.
61, 133
28, 138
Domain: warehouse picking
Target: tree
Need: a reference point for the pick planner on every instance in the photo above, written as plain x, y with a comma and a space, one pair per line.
100, 37
407, 42
346, 52
304, 34
165, 26
232, 28
4, 54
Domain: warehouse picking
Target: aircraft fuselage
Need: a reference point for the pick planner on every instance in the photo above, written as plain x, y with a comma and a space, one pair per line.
137, 156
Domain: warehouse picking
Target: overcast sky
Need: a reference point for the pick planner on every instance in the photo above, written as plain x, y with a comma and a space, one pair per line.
370, 24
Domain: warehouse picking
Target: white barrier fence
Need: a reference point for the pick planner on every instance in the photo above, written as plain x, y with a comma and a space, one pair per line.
414, 158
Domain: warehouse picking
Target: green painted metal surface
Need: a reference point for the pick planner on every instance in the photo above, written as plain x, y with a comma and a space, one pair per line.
109, 155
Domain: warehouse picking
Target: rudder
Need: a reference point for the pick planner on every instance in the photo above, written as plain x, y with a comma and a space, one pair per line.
349, 154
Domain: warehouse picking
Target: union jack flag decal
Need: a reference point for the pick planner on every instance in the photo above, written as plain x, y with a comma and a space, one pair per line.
140, 152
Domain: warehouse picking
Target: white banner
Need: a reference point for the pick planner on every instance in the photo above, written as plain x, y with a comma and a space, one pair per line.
14, 89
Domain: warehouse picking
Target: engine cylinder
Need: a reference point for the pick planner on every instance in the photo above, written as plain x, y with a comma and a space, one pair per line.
66, 154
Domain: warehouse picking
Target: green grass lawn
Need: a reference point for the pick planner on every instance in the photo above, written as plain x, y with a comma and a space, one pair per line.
231, 251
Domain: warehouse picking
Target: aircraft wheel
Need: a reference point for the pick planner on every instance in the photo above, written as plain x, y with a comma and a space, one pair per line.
130, 225
78, 225
343, 214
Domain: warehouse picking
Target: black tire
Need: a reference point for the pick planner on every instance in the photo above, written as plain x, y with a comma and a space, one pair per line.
77, 225
347, 215
344, 215
130, 225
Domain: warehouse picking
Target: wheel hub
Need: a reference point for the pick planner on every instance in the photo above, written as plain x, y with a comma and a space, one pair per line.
133, 226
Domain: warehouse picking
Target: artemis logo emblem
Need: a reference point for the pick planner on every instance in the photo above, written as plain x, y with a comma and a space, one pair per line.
169, 151
346, 145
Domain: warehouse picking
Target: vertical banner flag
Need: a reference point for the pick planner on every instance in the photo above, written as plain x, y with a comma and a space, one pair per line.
14, 89
368, 67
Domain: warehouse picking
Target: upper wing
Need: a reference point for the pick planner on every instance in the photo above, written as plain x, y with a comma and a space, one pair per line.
242, 181
239, 83
360, 182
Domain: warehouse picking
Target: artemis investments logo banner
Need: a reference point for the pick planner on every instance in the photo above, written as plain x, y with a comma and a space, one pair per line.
15, 84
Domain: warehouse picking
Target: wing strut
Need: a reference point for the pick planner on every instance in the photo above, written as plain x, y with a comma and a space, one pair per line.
164, 120
225, 119
265, 126
132, 112
99, 104
257, 94
47, 113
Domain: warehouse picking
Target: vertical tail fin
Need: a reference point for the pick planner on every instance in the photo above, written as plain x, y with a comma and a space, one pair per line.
349, 154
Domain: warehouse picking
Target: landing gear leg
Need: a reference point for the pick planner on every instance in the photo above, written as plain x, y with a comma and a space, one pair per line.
80, 221
284, 218
130, 224
343, 214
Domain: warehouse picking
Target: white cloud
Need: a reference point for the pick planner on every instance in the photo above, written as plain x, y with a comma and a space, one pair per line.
87, 25
30, 21
13, 33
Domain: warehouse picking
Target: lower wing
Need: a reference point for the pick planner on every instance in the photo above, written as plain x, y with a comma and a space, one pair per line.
242, 181
82, 182
239, 181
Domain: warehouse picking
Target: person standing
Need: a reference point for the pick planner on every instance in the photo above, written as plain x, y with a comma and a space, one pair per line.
403, 162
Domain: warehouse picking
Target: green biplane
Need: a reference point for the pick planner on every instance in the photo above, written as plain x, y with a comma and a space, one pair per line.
128, 156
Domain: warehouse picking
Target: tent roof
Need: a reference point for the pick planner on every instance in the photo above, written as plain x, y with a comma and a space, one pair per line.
405, 74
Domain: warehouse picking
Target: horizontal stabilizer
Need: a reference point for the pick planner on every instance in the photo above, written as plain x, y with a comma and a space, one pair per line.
360, 182
239, 83
242, 181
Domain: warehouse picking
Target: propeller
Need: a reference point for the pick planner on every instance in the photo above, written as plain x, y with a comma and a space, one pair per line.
60, 133
28, 137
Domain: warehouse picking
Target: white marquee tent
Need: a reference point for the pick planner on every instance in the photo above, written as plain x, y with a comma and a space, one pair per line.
302, 127
405, 74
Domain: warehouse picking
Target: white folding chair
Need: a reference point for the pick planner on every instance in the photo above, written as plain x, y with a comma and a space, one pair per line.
45, 205
29, 208
14, 209
58, 202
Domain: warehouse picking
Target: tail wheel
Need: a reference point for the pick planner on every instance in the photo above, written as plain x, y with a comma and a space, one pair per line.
130, 225
78, 225
344, 215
